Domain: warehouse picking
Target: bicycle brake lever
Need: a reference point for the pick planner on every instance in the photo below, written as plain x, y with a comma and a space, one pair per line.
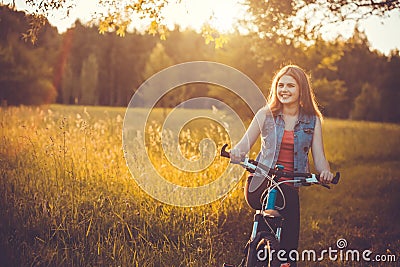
225, 153
325, 185
335, 179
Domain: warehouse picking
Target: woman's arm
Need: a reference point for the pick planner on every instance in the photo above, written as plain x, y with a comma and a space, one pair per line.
250, 137
318, 153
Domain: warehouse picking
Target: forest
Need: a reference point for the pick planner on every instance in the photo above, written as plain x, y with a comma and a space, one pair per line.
84, 67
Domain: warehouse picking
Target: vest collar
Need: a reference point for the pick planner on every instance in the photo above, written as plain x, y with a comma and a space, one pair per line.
304, 118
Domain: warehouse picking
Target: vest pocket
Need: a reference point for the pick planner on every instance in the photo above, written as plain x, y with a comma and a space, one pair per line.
308, 130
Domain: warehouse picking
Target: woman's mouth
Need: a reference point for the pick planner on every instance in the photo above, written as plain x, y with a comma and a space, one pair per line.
284, 95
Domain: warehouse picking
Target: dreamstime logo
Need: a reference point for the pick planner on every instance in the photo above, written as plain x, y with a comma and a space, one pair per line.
340, 253
139, 159
341, 243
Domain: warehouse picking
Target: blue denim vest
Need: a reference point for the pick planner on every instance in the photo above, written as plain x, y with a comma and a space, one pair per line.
271, 139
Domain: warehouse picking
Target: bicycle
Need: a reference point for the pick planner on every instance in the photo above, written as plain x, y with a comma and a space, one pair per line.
261, 245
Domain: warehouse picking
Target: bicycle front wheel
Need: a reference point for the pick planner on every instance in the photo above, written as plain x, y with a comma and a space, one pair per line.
260, 251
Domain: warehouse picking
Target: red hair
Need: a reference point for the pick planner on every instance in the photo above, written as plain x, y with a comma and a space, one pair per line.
308, 102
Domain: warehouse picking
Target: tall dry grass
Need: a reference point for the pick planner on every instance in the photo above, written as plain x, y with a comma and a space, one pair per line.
68, 199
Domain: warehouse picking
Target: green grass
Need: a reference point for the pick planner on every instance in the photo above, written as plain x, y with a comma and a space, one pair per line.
68, 199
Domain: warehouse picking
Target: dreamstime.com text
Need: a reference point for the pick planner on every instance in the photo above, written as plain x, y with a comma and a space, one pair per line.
333, 254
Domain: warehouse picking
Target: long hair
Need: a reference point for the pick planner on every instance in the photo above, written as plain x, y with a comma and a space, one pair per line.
308, 103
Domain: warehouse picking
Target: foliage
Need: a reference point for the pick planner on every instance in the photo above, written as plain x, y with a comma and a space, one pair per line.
362, 7
68, 86
120, 63
286, 20
301, 20
89, 81
338, 68
367, 104
389, 89
158, 60
331, 96
26, 71
67, 197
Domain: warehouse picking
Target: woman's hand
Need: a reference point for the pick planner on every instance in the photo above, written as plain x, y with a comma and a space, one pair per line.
326, 177
236, 154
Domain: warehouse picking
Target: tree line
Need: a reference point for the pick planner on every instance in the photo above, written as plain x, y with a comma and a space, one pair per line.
84, 67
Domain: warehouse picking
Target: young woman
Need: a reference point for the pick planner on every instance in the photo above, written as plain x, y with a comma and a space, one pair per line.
289, 125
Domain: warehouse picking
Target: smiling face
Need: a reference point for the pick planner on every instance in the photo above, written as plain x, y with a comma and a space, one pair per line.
291, 87
287, 90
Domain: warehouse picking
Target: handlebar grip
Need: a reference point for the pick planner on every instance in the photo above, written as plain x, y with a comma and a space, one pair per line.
225, 153
335, 179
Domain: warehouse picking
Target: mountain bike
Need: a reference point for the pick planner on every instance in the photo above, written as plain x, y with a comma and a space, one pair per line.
264, 241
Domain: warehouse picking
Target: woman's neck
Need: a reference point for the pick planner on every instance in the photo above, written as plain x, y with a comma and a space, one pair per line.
292, 110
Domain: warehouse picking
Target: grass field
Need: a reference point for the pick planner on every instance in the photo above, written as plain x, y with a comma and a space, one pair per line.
67, 197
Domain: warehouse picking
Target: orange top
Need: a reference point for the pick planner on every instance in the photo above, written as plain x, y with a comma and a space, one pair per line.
286, 154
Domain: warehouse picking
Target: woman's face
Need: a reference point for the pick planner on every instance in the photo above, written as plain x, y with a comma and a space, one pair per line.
287, 90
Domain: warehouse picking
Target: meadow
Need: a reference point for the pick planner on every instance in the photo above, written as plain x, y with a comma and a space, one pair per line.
68, 199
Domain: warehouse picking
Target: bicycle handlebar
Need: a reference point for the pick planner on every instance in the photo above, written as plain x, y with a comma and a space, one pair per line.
252, 165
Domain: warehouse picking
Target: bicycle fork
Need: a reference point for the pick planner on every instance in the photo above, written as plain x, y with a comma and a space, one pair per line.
274, 223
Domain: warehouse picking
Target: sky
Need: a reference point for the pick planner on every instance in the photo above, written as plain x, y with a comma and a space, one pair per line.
383, 33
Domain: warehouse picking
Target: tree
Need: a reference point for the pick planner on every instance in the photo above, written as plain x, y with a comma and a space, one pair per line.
89, 81
346, 8
25, 74
24, 79
129, 55
157, 61
390, 89
120, 63
68, 83
332, 97
296, 20
359, 65
367, 104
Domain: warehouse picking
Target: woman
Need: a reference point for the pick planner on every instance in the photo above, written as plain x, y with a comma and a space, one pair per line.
291, 121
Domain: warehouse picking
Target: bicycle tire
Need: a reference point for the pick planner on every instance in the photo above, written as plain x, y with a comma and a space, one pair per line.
259, 251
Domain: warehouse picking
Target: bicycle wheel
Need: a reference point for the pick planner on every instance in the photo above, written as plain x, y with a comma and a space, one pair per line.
260, 251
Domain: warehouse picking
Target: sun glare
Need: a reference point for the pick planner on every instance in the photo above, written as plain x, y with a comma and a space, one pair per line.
221, 15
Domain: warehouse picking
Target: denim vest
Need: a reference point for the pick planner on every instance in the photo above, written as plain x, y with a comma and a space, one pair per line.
271, 139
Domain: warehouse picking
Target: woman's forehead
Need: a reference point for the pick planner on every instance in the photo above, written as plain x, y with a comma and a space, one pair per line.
287, 79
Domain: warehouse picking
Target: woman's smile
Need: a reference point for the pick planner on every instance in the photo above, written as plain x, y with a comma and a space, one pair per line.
285, 95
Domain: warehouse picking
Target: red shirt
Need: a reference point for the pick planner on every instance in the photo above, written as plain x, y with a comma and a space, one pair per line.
286, 154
